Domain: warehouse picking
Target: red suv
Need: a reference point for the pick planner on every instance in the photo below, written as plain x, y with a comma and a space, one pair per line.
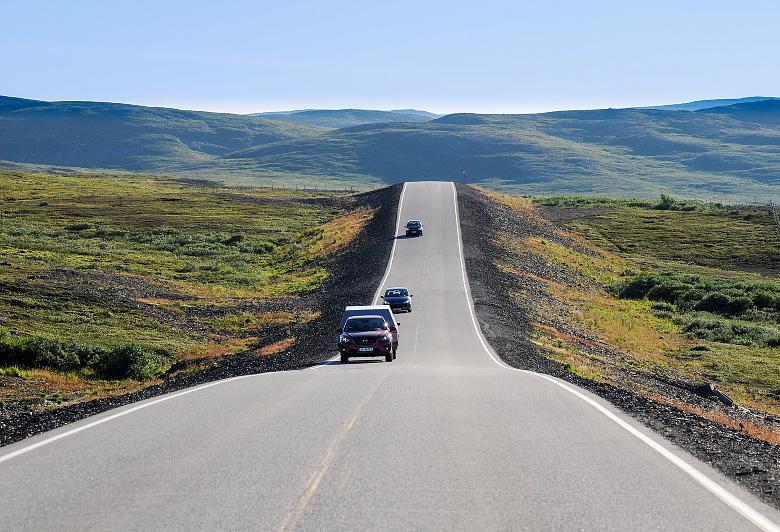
366, 336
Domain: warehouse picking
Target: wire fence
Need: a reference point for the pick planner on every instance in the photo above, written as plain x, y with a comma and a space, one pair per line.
720, 200
317, 189
776, 214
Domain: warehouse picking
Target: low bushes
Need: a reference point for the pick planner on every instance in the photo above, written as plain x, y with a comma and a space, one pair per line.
719, 310
691, 292
119, 362
732, 332
664, 203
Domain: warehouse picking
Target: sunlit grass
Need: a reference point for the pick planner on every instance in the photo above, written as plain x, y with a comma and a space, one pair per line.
127, 259
613, 246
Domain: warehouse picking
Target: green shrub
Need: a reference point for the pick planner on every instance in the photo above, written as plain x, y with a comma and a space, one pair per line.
727, 297
723, 303
739, 305
765, 299
636, 288
260, 248
688, 299
706, 307
733, 332
121, 362
131, 361
45, 353
667, 290
233, 240
710, 329
667, 203
79, 227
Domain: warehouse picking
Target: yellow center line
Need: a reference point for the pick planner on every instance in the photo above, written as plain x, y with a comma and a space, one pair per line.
313, 484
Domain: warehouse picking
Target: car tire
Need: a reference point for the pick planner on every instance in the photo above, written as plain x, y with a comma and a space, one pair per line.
344, 358
389, 357
395, 351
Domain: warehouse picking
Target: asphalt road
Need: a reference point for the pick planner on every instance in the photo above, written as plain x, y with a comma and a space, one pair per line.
445, 437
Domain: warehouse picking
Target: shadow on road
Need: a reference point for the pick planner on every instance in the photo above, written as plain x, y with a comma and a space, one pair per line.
353, 362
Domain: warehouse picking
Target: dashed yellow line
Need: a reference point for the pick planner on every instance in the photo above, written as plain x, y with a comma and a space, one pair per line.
313, 484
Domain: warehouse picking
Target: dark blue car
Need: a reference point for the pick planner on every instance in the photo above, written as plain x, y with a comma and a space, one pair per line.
414, 228
398, 298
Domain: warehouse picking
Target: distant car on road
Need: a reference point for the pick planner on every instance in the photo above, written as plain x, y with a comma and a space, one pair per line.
414, 228
398, 298
366, 336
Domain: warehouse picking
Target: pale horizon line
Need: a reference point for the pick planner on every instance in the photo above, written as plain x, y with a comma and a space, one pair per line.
246, 108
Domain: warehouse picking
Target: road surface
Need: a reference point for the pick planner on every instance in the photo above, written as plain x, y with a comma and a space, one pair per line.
445, 437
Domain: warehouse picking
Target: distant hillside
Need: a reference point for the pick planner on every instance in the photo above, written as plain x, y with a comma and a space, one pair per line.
761, 112
340, 118
617, 151
132, 137
418, 112
707, 104
729, 151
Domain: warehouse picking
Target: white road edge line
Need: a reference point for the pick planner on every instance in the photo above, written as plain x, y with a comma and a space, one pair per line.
52, 439
392, 250
745, 510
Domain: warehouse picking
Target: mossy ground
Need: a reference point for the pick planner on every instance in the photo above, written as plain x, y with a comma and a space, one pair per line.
611, 241
197, 270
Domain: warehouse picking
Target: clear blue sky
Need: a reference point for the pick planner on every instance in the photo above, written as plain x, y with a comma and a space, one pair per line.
443, 56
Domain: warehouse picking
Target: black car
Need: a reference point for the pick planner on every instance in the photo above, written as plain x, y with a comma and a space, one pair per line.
414, 228
398, 298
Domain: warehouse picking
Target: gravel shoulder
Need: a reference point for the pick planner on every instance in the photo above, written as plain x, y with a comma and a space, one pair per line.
354, 276
507, 322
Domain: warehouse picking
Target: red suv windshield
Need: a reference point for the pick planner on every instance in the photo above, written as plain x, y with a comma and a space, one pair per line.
365, 324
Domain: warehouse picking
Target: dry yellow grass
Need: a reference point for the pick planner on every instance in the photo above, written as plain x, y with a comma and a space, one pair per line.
38, 386
755, 430
276, 347
340, 231
219, 346
524, 205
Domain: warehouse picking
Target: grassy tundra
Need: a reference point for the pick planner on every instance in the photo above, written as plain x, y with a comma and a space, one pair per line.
686, 290
106, 281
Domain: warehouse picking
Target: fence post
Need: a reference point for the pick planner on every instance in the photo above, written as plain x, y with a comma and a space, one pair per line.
776, 215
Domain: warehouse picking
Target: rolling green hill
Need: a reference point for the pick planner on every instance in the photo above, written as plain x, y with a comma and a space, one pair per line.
130, 137
730, 152
340, 118
708, 104
733, 151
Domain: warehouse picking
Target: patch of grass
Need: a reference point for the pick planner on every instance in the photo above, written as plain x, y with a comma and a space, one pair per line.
14, 371
691, 292
277, 347
707, 307
664, 203
246, 321
129, 361
739, 240
596, 264
113, 277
